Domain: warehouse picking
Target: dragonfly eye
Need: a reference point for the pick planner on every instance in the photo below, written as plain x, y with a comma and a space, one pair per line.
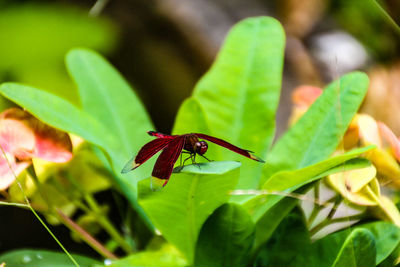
203, 148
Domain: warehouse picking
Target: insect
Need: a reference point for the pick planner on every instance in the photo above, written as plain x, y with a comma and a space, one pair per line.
173, 146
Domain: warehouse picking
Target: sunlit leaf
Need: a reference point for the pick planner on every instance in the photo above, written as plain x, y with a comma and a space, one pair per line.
368, 130
387, 210
239, 95
181, 207
166, 256
268, 210
354, 185
288, 181
319, 131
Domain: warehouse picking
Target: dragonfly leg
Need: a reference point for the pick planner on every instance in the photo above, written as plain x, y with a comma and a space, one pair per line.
206, 158
194, 160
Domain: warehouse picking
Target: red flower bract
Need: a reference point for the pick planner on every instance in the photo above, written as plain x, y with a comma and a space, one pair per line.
23, 137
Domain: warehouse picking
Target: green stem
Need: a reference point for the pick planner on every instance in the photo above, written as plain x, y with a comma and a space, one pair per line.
96, 245
387, 17
328, 221
84, 235
318, 208
105, 223
336, 204
34, 212
101, 219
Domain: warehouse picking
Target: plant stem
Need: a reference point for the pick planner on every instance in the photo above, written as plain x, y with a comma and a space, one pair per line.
34, 212
318, 208
105, 223
96, 245
336, 204
328, 221
101, 219
90, 240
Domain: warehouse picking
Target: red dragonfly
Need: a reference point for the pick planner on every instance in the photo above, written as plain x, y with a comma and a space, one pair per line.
172, 146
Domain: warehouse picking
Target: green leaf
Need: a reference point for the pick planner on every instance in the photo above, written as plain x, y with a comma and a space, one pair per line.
288, 181
358, 250
167, 256
332, 248
239, 95
387, 238
268, 210
225, 238
53, 110
287, 241
214, 167
43, 258
108, 98
95, 127
181, 207
319, 131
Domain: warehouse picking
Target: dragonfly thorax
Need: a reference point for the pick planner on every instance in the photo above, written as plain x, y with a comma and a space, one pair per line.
193, 145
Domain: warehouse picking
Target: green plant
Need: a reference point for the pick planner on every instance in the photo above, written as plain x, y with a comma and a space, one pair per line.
226, 213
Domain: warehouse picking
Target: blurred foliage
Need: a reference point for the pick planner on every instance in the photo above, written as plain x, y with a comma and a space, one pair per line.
36, 38
369, 23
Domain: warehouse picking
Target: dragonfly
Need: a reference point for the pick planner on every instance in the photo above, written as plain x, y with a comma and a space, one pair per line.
173, 146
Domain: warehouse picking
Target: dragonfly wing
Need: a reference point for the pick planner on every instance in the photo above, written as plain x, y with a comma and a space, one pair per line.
166, 161
146, 152
161, 135
243, 152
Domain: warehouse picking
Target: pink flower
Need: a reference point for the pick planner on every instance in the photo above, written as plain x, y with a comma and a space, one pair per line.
23, 137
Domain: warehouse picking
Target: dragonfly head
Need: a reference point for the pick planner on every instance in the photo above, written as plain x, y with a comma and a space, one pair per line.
201, 147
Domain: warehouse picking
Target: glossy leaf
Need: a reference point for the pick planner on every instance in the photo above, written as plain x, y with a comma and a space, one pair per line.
80, 123
225, 238
289, 239
166, 256
54, 113
180, 208
268, 210
357, 185
387, 238
288, 181
317, 134
108, 98
331, 248
214, 167
358, 250
239, 95
43, 258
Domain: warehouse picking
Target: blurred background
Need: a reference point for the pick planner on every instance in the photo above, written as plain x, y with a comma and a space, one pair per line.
162, 47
